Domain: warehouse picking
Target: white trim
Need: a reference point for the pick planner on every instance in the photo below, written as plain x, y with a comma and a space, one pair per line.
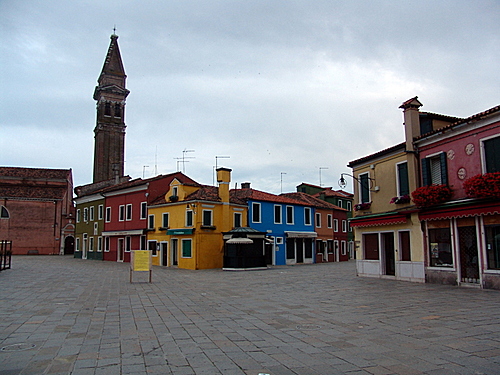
123, 232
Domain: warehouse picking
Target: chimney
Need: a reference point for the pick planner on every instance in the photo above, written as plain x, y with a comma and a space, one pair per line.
411, 115
223, 179
245, 185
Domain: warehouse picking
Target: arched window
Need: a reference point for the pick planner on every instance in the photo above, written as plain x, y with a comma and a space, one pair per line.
107, 109
4, 213
118, 110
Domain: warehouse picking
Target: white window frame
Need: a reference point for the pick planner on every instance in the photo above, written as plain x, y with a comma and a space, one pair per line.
96, 228
144, 210
165, 219
77, 244
335, 225
108, 214
190, 213
121, 212
100, 212
292, 210
99, 244
344, 226
307, 216
107, 244
91, 244
318, 219
91, 213
237, 214
211, 218
329, 221
280, 207
128, 210
128, 244
85, 214
254, 205
151, 221
78, 215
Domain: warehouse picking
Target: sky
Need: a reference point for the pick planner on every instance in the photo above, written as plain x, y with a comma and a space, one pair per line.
280, 91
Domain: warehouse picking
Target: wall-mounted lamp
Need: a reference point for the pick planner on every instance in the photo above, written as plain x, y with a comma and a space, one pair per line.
370, 181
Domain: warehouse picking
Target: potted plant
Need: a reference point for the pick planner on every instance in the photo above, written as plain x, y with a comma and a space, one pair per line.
431, 195
362, 206
401, 200
483, 186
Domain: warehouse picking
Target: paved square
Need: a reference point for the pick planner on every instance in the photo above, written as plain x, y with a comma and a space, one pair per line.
60, 315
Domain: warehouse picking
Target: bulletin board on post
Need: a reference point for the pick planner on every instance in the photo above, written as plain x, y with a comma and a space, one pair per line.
141, 261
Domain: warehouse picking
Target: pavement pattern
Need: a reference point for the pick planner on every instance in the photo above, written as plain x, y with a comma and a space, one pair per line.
60, 315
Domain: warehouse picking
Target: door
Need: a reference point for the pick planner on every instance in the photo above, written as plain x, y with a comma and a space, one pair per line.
174, 249
390, 259
469, 265
164, 253
299, 245
121, 250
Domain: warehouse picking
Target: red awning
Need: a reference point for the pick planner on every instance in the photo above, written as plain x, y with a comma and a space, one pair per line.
378, 220
473, 208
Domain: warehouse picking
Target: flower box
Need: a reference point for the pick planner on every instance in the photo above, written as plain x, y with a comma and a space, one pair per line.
431, 195
401, 200
173, 198
362, 206
483, 186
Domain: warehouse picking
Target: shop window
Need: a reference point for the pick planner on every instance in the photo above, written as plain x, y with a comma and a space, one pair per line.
152, 246
404, 246
492, 233
187, 248
434, 170
440, 250
308, 244
370, 246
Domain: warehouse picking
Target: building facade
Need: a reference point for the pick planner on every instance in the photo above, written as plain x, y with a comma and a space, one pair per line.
40, 216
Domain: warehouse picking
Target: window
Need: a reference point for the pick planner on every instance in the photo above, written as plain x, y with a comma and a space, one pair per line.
144, 210
129, 212
207, 218
96, 228
107, 109
164, 220
85, 214
289, 214
329, 220
279, 241
364, 188
434, 170
343, 248
108, 214
77, 244
307, 216
344, 226
339, 203
121, 213
370, 246
186, 248
78, 215
335, 225
440, 252
128, 243
91, 212
277, 214
151, 222
118, 110
492, 233
491, 155
152, 246
143, 242
100, 212
318, 220
237, 219
189, 218
256, 212
175, 191
106, 244
99, 244
404, 246
91, 244
349, 206
402, 176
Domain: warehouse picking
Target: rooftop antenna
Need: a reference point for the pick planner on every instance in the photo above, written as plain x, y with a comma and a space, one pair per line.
281, 180
114, 30
320, 168
156, 161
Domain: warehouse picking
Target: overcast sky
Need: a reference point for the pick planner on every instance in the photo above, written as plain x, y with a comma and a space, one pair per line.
278, 86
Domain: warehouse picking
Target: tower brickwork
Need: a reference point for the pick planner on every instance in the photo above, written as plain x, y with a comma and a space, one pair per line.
109, 133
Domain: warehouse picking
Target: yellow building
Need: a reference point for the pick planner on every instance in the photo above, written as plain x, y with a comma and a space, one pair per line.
387, 229
185, 226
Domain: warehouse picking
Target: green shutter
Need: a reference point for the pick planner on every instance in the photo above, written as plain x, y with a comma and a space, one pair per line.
186, 248
492, 158
444, 169
404, 188
426, 178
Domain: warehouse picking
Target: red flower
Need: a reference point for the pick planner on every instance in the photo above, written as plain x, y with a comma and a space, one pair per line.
431, 195
483, 186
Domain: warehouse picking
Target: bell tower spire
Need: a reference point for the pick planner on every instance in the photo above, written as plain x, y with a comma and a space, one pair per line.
109, 133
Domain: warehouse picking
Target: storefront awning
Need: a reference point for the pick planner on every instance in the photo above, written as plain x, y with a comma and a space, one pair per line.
461, 209
135, 232
241, 241
379, 219
180, 231
293, 234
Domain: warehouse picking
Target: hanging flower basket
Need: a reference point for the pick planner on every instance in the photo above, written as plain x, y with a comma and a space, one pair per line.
483, 186
431, 195
401, 200
173, 198
362, 206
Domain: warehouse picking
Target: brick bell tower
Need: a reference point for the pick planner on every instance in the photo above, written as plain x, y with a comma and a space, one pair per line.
109, 133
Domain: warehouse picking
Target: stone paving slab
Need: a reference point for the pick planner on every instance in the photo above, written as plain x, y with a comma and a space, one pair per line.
60, 315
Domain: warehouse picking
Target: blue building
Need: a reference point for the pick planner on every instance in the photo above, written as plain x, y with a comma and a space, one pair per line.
289, 225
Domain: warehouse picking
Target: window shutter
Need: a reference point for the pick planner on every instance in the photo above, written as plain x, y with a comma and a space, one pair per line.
403, 179
426, 178
492, 158
444, 169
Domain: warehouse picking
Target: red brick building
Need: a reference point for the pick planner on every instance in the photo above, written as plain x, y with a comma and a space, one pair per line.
39, 210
